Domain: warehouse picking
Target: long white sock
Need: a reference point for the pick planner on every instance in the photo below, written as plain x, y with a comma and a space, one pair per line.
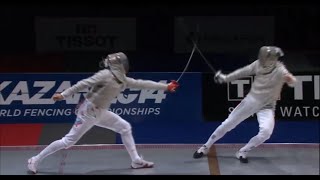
52, 148
129, 143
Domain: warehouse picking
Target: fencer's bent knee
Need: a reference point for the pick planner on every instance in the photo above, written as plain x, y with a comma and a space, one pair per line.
126, 128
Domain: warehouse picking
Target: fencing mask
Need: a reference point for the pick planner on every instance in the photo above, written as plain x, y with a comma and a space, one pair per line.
118, 64
268, 56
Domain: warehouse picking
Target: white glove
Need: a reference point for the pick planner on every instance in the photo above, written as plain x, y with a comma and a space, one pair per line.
219, 77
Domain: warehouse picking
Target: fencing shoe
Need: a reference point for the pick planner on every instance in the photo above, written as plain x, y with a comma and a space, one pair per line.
203, 150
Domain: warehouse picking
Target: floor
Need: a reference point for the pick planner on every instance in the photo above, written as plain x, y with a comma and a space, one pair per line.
169, 159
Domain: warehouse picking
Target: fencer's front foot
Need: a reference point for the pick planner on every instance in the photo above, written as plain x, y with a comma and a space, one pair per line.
32, 165
242, 156
201, 152
141, 163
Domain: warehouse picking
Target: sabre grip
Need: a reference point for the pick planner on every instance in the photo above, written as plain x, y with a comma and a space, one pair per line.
172, 86
219, 77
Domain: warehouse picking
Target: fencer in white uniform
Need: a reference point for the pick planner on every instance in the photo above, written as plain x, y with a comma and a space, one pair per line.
270, 76
105, 85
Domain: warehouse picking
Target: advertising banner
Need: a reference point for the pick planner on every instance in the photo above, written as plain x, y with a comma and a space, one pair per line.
85, 34
298, 103
27, 98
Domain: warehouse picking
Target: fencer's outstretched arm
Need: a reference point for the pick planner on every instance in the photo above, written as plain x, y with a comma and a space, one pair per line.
80, 85
148, 84
242, 72
237, 74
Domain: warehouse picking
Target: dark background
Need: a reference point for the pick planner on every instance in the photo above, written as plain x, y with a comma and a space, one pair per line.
296, 31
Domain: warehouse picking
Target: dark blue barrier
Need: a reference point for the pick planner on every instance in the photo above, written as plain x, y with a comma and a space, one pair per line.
26, 98
156, 116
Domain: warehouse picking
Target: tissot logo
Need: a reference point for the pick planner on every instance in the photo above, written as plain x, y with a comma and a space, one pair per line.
239, 88
300, 102
299, 92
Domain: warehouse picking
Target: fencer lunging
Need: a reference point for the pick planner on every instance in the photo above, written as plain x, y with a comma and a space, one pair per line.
105, 85
270, 76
